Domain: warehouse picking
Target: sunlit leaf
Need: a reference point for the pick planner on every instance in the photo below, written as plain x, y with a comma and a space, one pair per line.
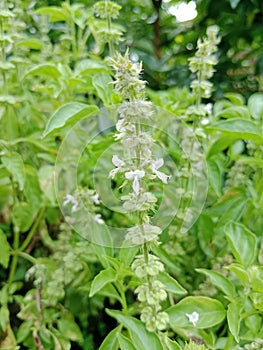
242, 242
4, 250
170, 284
141, 338
240, 128
111, 340
15, 165
211, 312
220, 281
68, 114
103, 278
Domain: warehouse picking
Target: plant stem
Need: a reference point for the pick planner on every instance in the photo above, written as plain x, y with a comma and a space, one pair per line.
33, 230
17, 251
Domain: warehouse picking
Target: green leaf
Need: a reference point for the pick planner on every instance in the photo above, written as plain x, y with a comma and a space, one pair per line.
141, 338
15, 165
103, 278
234, 112
46, 69
56, 14
4, 250
243, 243
4, 318
88, 66
211, 312
234, 318
70, 330
220, 281
24, 330
104, 88
23, 215
170, 284
31, 43
215, 175
126, 255
32, 189
46, 177
109, 291
256, 274
255, 105
240, 128
240, 272
68, 114
235, 98
222, 143
206, 234
173, 345
111, 341
125, 343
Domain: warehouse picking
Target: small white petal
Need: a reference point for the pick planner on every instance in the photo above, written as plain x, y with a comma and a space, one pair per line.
139, 173
162, 176
96, 199
136, 185
98, 219
129, 175
193, 317
158, 163
117, 161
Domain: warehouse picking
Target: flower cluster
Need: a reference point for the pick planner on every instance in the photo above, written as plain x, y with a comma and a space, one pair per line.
204, 61
83, 197
138, 169
105, 9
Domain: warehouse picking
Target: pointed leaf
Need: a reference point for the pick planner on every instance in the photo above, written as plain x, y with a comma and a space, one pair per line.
255, 105
220, 281
240, 272
173, 345
101, 83
23, 215
70, 329
56, 14
67, 114
4, 250
170, 284
125, 343
234, 112
240, 128
103, 278
234, 318
46, 69
242, 242
211, 312
141, 338
111, 341
15, 165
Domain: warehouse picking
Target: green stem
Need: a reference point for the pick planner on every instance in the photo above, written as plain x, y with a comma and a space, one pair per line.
26, 256
120, 288
19, 251
33, 230
14, 259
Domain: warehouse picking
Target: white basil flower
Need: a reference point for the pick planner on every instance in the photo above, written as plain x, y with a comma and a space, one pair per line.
155, 166
71, 200
193, 317
95, 198
98, 219
118, 163
135, 176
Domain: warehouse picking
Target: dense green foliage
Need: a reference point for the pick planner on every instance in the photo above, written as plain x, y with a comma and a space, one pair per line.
77, 196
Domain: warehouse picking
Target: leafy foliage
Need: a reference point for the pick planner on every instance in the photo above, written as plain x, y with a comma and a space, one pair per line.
69, 278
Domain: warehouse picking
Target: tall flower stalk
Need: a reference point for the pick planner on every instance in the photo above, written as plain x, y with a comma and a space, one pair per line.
202, 64
138, 169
